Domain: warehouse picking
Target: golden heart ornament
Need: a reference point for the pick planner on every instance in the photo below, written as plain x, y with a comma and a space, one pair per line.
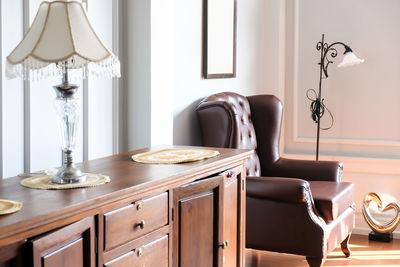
386, 227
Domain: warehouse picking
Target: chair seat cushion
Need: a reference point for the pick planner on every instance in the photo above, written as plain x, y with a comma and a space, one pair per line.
332, 198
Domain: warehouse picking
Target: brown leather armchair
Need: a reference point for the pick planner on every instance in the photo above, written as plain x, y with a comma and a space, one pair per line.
292, 206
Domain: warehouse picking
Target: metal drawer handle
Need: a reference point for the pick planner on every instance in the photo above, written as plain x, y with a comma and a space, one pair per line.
141, 224
224, 245
139, 205
230, 174
139, 252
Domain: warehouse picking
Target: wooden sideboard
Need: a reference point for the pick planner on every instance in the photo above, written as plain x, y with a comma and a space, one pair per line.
190, 214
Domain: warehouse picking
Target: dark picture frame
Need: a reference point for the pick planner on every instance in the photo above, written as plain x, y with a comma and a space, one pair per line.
219, 38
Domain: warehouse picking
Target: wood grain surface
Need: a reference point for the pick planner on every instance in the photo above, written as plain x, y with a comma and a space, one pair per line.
44, 210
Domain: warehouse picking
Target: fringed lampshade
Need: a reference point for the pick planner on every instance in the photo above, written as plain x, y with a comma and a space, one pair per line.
61, 34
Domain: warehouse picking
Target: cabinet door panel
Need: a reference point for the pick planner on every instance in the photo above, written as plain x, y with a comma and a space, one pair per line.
196, 223
69, 255
70, 246
197, 230
230, 221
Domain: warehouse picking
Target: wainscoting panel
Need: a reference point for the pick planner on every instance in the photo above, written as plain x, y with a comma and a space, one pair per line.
363, 98
29, 137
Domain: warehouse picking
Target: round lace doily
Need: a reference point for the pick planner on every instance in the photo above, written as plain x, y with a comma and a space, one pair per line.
171, 156
44, 182
9, 206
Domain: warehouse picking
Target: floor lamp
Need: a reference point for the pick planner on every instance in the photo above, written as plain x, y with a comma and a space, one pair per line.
328, 52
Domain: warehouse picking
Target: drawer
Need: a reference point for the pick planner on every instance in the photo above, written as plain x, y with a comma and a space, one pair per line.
153, 254
134, 220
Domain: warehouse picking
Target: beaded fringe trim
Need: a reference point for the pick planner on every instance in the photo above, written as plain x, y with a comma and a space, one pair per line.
78, 68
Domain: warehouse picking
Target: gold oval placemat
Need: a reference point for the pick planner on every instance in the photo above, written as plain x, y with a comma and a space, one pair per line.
44, 182
9, 206
171, 156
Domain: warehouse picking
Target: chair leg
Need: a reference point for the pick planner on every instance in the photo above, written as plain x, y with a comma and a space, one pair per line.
315, 262
345, 246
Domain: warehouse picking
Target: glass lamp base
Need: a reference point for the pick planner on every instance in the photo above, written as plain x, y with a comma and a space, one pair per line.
68, 175
67, 107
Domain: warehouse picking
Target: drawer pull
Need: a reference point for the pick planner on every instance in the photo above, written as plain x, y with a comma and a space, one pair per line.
139, 252
141, 224
230, 174
224, 245
139, 205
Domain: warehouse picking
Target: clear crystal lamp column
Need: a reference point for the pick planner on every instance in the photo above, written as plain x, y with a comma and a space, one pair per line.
67, 108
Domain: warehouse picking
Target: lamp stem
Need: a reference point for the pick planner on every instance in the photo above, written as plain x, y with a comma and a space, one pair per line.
318, 103
67, 107
65, 75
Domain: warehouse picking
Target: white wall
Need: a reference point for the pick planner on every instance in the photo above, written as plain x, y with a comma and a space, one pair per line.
147, 72
12, 93
362, 98
258, 53
136, 73
29, 139
163, 72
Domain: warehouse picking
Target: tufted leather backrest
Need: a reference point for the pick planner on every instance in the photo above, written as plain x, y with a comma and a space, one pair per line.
225, 121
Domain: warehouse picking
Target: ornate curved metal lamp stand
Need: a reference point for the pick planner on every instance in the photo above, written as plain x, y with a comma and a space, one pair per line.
328, 53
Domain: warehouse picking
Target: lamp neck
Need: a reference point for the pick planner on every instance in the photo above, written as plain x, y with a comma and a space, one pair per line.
65, 75
65, 90
328, 52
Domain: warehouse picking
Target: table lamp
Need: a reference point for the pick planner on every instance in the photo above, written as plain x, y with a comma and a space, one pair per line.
61, 41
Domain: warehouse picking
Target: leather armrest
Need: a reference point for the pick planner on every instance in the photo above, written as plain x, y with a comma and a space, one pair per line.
288, 190
309, 170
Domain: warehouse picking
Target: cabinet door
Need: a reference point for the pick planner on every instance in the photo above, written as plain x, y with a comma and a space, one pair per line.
70, 246
230, 219
197, 228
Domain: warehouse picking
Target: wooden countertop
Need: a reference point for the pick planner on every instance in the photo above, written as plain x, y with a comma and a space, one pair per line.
47, 209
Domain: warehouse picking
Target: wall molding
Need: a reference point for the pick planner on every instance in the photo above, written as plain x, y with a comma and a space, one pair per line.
1, 95
295, 137
85, 110
295, 68
358, 165
366, 231
116, 81
348, 141
27, 100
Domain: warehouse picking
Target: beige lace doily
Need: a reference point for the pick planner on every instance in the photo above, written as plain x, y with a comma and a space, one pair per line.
171, 156
9, 206
44, 182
